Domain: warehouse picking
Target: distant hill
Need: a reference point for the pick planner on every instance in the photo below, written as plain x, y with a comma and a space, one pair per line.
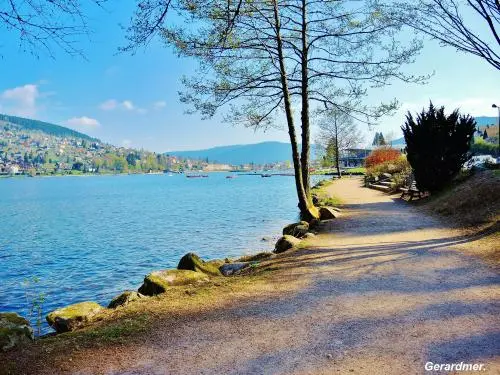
258, 153
399, 142
51, 129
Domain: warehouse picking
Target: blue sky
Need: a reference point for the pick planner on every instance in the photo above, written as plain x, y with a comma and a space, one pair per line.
132, 100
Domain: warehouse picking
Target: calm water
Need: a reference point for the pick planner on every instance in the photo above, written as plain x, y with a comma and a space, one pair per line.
89, 238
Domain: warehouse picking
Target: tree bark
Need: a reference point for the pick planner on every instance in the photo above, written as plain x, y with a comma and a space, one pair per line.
307, 209
304, 157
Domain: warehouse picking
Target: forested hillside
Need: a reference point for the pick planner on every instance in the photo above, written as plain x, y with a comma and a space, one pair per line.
51, 129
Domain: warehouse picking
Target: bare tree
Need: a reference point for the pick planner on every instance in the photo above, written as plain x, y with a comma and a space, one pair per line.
338, 133
471, 26
45, 24
263, 58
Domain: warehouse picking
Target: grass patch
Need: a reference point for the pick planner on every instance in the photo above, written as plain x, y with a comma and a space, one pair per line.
472, 204
358, 170
320, 195
118, 331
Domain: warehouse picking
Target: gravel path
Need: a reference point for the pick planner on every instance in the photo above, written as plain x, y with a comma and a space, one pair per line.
383, 290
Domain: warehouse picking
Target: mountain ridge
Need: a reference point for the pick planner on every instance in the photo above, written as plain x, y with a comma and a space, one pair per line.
46, 127
258, 153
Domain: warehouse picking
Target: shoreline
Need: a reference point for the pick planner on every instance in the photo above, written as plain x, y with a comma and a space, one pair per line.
285, 303
264, 242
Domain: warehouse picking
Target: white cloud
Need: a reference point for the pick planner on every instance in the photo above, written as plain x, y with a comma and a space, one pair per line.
83, 122
128, 105
160, 104
109, 105
23, 100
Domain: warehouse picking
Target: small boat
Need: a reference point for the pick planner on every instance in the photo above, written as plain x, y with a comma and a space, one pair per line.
266, 175
231, 176
196, 175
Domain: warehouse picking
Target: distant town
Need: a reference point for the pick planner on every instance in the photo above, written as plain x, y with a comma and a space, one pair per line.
33, 148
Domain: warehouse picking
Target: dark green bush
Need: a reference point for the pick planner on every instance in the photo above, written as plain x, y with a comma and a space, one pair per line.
437, 146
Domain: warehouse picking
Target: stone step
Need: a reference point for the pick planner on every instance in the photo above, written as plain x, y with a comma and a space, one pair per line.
385, 183
383, 188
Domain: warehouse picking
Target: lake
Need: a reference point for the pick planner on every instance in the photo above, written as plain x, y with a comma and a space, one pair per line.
90, 238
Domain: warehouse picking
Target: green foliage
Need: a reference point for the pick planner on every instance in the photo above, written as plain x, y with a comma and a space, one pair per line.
34, 301
329, 155
379, 140
481, 147
437, 146
321, 198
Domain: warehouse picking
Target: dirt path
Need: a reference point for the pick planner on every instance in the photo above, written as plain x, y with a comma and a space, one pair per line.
382, 291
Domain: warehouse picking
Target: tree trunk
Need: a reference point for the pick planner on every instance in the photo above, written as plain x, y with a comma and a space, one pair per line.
304, 157
337, 151
307, 209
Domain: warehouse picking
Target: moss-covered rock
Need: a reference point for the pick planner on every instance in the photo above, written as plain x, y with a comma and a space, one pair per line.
256, 257
124, 299
328, 213
286, 243
14, 331
158, 282
215, 262
193, 262
74, 316
297, 230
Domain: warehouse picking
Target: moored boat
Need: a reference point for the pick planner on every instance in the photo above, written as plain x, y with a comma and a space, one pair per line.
196, 175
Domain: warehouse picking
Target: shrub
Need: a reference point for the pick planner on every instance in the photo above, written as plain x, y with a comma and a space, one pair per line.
393, 166
381, 155
437, 146
399, 168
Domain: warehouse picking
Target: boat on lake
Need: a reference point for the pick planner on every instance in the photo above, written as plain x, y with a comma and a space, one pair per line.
196, 175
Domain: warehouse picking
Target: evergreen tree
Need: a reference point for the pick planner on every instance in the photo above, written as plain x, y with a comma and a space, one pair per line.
437, 145
381, 140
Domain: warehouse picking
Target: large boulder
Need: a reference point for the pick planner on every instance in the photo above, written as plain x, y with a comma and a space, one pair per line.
158, 282
74, 316
297, 230
14, 331
124, 299
328, 213
193, 262
285, 243
229, 269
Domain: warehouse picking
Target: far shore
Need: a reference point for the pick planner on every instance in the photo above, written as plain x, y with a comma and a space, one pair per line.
327, 172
